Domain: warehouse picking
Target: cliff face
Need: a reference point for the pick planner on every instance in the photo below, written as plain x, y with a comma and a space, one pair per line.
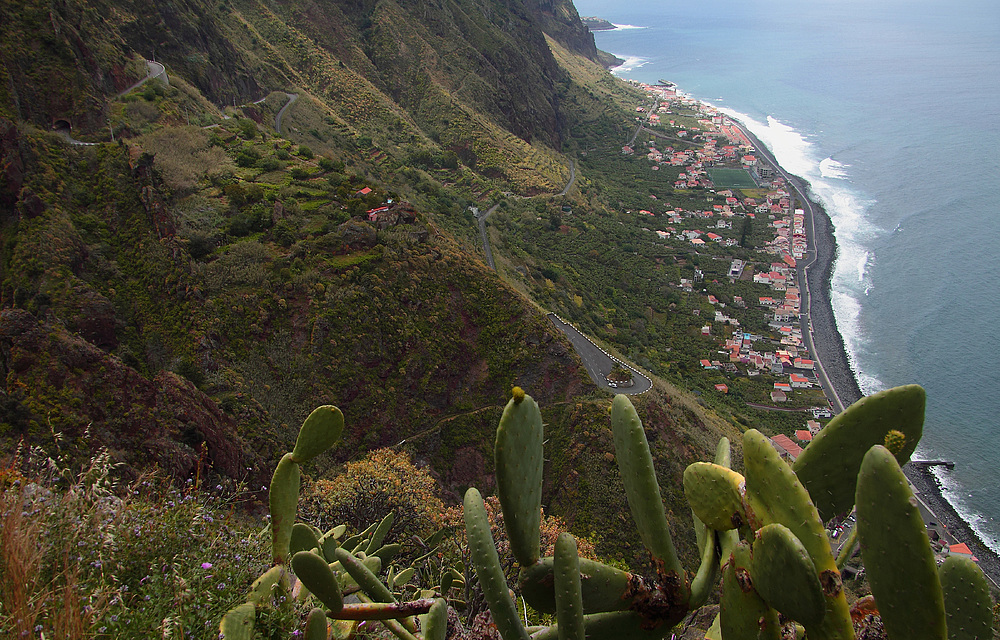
181, 324
560, 20
490, 59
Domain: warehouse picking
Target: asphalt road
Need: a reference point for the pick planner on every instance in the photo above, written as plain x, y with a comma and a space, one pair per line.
598, 363
482, 219
292, 97
486, 238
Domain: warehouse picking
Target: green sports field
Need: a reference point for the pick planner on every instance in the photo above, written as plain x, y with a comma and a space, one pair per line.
731, 178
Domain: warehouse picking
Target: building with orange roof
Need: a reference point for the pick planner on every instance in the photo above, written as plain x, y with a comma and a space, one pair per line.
962, 549
784, 446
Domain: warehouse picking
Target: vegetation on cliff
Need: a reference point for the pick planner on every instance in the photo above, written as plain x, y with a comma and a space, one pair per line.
222, 258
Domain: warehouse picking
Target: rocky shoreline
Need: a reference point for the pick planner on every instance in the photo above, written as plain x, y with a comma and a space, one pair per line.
831, 352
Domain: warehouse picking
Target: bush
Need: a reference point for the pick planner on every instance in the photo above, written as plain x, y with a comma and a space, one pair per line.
270, 163
384, 481
284, 233
247, 157
305, 152
248, 129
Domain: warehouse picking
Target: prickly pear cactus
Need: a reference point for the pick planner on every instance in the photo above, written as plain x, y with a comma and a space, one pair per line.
896, 551
829, 466
519, 458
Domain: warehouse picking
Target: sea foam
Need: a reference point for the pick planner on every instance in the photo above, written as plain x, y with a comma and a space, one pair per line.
830, 184
954, 493
830, 168
631, 64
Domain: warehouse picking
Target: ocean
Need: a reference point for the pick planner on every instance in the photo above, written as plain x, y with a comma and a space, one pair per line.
890, 109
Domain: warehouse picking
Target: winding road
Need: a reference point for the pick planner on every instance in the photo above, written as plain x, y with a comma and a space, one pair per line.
599, 362
292, 97
155, 70
482, 219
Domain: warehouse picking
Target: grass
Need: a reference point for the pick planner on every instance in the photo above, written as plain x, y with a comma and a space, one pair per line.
731, 178
82, 556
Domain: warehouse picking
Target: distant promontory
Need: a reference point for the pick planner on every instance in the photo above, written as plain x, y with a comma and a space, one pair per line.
596, 24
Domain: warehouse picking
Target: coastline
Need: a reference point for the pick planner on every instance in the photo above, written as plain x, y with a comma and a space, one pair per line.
831, 354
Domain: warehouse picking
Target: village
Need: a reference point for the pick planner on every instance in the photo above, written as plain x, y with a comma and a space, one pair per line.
708, 145
716, 147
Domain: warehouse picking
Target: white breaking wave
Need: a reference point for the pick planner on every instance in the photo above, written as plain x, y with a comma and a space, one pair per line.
631, 63
954, 494
829, 183
622, 27
830, 168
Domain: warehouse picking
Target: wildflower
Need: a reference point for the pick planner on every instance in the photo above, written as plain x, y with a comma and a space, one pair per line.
222, 585
206, 565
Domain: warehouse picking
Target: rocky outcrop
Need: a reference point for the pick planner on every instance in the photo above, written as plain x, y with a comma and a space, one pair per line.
163, 422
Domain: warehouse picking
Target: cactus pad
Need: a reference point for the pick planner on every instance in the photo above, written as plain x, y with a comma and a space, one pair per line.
303, 538
829, 466
237, 624
636, 467
284, 500
316, 625
896, 551
316, 575
569, 598
434, 623
519, 459
319, 432
715, 494
785, 576
487, 564
967, 601
775, 494
603, 587
743, 613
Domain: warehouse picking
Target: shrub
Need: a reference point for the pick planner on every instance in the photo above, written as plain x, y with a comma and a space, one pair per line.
384, 481
248, 129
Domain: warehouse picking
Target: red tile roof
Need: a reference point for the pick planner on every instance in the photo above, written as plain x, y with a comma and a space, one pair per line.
786, 443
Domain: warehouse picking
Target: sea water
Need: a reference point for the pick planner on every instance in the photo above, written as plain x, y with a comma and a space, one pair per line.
890, 109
